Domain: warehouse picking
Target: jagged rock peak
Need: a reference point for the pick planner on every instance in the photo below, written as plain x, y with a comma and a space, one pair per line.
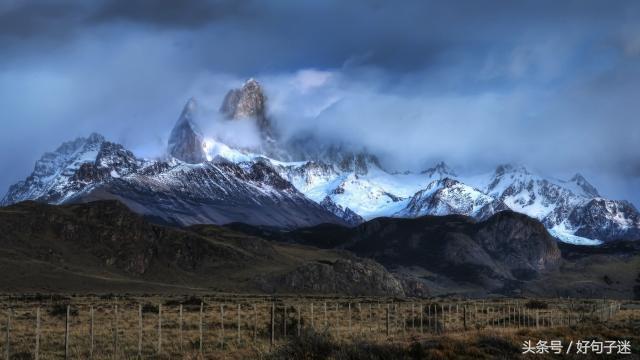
583, 184
248, 101
346, 214
441, 169
186, 142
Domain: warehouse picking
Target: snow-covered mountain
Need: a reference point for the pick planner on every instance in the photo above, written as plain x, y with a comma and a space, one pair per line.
193, 185
203, 180
186, 142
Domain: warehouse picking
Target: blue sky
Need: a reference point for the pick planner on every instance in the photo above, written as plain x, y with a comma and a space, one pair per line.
551, 84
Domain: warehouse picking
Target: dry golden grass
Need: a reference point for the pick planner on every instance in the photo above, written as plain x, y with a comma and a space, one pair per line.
345, 321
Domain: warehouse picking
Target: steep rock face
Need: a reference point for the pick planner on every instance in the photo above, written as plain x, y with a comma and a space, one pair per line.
248, 102
346, 214
519, 242
606, 219
506, 247
355, 277
186, 142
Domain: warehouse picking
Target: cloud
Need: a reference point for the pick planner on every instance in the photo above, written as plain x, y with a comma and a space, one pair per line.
168, 13
547, 83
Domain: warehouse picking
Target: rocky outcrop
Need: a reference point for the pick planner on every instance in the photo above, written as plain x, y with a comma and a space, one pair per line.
506, 247
248, 102
518, 242
606, 219
350, 217
355, 277
186, 142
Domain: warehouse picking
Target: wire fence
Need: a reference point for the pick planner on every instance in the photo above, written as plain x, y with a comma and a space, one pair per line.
124, 329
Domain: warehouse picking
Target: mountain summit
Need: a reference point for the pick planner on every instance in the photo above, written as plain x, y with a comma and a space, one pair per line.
186, 142
248, 102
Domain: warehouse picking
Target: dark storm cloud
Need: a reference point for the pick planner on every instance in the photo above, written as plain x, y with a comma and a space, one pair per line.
548, 83
169, 13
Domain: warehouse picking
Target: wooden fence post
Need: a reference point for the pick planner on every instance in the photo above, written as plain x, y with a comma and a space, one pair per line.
429, 317
312, 324
349, 315
395, 318
370, 317
388, 319
200, 325
159, 329
404, 321
238, 318
273, 322
91, 330
115, 352
413, 317
475, 315
337, 322
66, 334
140, 330
299, 319
421, 317
37, 349
284, 321
378, 326
464, 317
325, 314
222, 326
180, 327
361, 319
8, 336
255, 322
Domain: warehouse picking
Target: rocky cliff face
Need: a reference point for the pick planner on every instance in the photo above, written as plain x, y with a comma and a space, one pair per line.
506, 247
355, 277
248, 102
346, 214
600, 218
186, 142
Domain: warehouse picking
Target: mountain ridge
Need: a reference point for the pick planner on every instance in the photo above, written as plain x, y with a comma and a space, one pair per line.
203, 180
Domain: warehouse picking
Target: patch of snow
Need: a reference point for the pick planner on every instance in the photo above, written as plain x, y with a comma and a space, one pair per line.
573, 239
